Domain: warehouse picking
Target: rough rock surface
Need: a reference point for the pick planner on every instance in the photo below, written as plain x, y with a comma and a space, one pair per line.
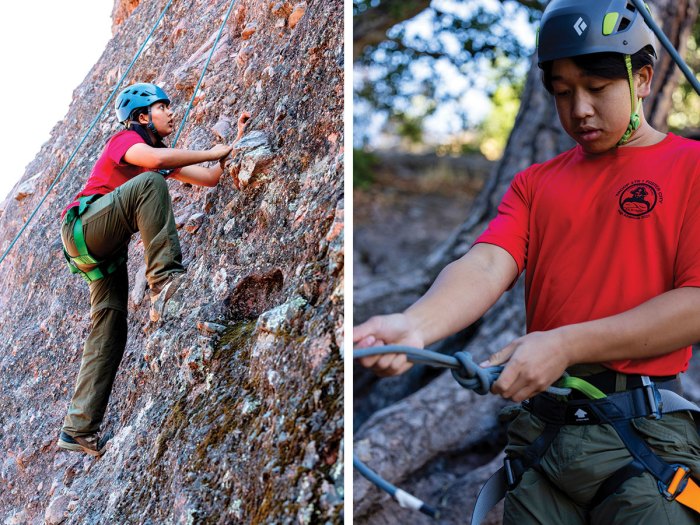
230, 410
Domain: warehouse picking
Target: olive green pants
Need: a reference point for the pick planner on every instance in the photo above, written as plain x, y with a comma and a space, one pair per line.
581, 457
142, 204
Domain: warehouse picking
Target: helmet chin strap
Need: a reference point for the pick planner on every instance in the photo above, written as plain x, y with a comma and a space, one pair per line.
635, 121
152, 127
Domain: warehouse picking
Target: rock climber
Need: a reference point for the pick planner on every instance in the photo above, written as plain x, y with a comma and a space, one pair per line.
607, 235
127, 193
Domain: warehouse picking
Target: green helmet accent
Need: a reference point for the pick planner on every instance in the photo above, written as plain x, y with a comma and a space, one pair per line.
571, 28
141, 95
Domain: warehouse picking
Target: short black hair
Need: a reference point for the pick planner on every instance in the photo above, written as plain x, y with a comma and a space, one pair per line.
605, 65
138, 112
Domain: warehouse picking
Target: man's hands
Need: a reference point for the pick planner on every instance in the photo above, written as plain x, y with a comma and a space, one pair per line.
395, 329
532, 363
220, 152
243, 121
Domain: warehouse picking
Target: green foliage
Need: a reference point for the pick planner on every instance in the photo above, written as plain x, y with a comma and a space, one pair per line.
447, 49
496, 127
364, 164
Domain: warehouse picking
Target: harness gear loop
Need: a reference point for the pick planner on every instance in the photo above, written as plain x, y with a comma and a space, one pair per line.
92, 268
581, 385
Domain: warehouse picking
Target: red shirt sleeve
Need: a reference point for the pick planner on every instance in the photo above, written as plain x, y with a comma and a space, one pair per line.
687, 266
510, 229
120, 144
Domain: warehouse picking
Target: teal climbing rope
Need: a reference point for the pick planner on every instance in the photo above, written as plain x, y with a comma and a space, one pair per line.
94, 123
201, 77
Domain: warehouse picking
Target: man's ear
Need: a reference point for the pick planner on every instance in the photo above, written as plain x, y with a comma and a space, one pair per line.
643, 79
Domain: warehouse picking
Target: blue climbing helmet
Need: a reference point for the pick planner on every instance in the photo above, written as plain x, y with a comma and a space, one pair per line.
140, 95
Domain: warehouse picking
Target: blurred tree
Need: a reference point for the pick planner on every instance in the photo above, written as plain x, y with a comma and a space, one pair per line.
447, 48
685, 112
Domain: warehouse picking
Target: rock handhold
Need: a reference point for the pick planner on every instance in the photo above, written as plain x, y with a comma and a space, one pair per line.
277, 320
27, 188
195, 222
208, 327
282, 9
249, 30
253, 152
297, 14
254, 294
244, 55
57, 511
223, 129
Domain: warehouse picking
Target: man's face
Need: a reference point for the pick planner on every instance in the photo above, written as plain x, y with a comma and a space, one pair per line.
594, 111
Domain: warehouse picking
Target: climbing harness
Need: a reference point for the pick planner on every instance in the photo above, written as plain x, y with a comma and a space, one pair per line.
618, 410
124, 106
647, 400
86, 265
106, 104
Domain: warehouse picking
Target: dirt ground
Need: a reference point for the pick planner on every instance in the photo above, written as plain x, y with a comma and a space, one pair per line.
409, 210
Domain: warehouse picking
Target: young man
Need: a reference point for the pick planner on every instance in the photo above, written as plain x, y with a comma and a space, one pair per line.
124, 194
607, 234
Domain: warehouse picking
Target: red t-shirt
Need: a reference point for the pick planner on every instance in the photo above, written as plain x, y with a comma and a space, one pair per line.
110, 170
599, 235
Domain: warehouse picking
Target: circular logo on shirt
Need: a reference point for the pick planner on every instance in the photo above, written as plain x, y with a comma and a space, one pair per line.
638, 199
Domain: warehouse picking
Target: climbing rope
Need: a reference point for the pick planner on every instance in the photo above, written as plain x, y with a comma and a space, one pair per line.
692, 79
201, 77
404, 499
465, 371
111, 96
94, 123
468, 374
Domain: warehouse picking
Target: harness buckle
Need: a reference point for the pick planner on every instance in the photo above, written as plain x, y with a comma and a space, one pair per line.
653, 397
677, 485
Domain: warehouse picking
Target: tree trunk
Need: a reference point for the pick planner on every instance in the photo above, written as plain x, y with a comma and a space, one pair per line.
432, 463
370, 27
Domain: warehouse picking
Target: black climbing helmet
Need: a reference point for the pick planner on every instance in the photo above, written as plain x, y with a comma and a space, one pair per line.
571, 28
141, 95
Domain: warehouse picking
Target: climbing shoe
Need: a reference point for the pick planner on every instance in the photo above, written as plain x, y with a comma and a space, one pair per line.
162, 292
89, 444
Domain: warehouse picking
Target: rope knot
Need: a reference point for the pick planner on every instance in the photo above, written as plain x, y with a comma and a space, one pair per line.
471, 375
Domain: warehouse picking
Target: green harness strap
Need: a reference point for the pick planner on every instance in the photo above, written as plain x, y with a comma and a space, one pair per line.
102, 268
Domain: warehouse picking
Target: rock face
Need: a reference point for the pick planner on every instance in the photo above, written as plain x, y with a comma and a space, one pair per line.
230, 410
